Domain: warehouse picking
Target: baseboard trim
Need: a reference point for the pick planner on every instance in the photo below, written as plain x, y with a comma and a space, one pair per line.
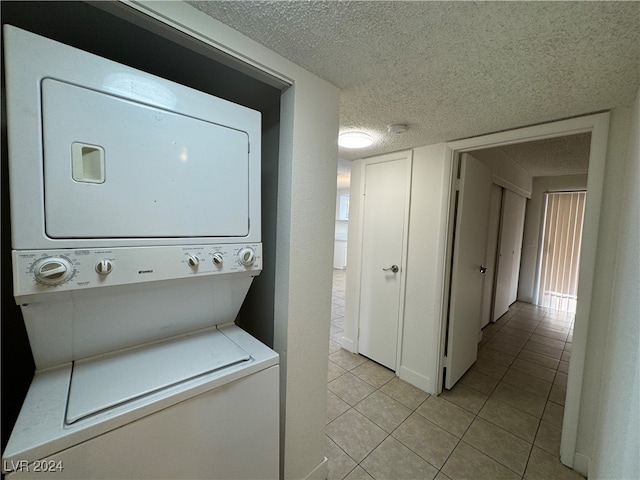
581, 464
416, 379
321, 472
349, 345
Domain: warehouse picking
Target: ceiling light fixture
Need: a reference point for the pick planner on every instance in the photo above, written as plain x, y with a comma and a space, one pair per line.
355, 140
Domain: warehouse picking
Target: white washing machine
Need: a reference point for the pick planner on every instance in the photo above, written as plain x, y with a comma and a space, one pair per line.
135, 214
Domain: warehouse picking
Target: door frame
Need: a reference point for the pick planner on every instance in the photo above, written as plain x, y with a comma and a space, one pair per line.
598, 126
356, 205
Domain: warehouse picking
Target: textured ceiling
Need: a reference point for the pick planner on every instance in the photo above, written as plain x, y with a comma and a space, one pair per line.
554, 156
452, 70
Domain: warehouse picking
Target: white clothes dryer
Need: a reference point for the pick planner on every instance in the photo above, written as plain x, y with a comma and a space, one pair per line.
135, 208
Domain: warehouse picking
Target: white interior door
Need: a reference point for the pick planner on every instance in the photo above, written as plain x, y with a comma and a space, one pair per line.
386, 197
508, 269
467, 278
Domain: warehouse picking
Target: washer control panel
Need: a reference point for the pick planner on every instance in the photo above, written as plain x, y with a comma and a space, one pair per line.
48, 271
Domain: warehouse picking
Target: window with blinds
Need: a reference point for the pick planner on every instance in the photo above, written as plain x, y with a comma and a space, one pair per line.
561, 240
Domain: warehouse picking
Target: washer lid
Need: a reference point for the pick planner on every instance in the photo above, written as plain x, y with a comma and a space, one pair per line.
104, 382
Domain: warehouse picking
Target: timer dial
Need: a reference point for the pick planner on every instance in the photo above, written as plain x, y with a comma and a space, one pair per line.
247, 256
52, 270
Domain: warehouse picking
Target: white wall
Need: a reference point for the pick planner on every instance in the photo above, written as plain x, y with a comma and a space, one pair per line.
304, 271
601, 298
428, 216
305, 224
532, 225
506, 172
612, 399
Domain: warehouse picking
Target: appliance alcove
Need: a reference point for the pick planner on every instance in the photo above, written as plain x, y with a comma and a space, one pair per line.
131, 41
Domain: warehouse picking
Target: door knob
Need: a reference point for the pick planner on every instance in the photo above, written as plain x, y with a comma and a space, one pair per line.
483, 269
393, 268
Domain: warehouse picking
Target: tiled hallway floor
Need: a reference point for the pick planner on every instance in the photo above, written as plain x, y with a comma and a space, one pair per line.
502, 420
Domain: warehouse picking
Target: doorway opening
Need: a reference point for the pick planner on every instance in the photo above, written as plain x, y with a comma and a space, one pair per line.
341, 238
557, 285
597, 127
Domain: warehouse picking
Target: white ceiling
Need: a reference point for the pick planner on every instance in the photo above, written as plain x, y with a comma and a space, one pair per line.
452, 70
554, 156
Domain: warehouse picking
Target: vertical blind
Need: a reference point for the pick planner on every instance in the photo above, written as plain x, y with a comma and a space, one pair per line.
561, 240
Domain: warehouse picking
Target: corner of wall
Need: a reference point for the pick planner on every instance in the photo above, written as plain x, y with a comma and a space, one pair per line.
602, 296
616, 432
428, 217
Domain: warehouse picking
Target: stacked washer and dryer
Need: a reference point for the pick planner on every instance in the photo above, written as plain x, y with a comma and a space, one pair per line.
135, 215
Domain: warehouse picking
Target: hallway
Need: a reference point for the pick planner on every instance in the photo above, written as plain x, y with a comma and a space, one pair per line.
501, 421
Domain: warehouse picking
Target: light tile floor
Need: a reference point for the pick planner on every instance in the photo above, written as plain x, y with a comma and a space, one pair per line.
502, 420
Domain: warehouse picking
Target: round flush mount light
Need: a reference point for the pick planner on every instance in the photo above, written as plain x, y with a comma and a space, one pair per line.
355, 140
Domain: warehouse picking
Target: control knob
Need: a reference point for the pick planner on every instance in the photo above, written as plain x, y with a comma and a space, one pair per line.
52, 270
104, 266
247, 256
193, 261
217, 259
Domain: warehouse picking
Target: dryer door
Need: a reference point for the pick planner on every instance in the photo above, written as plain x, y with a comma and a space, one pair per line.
115, 168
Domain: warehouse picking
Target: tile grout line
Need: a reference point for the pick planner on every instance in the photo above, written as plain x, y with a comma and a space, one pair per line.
547, 397
476, 415
388, 434
540, 420
524, 315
